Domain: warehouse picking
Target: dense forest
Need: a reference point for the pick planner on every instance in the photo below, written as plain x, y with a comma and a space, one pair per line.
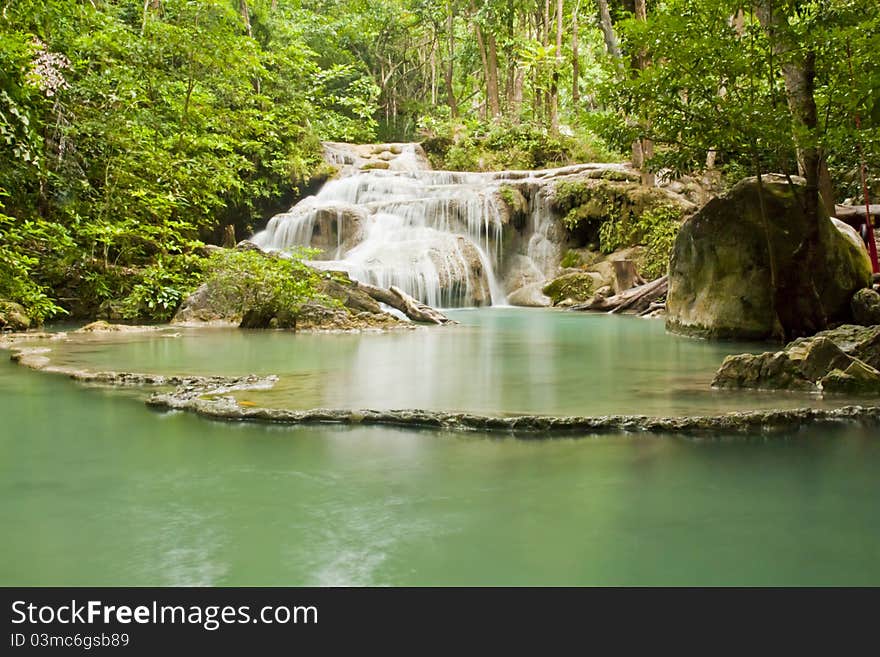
134, 132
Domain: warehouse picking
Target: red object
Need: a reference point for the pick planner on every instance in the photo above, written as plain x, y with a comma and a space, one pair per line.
872, 241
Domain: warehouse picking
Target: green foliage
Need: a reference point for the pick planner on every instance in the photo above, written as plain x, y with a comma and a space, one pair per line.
253, 282
22, 245
659, 227
476, 146
621, 216
571, 259
162, 287
136, 130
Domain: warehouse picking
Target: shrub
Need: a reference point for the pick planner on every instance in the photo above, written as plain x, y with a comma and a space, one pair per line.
162, 287
476, 146
244, 282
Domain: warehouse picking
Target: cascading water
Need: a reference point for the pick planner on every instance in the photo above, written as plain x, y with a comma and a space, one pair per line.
434, 234
388, 219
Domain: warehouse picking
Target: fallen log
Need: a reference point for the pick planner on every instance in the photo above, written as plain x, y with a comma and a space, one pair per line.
409, 306
653, 308
634, 300
855, 214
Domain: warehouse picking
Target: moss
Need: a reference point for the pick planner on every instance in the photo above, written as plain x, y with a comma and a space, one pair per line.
577, 287
379, 164
571, 259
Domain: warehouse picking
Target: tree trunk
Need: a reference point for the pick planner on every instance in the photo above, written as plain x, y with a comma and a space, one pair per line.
448, 69
246, 17
554, 85
492, 76
646, 147
481, 47
608, 33
575, 59
489, 58
799, 307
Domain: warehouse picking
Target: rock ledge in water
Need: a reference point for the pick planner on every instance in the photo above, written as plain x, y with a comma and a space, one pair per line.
845, 359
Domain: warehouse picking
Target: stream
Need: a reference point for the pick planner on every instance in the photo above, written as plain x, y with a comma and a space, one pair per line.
97, 489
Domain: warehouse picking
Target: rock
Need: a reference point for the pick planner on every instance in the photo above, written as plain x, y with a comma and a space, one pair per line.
521, 272
858, 378
105, 327
111, 310
247, 245
805, 363
339, 286
202, 307
13, 317
577, 287
867, 349
316, 317
357, 310
530, 295
866, 307
719, 277
459, 265
513, 205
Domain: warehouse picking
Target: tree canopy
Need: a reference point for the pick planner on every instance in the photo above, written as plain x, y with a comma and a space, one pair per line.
133, 131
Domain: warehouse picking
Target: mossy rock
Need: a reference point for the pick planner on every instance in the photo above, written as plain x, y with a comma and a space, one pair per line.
375, 164
831, 360
719, 274
866, 307
515, 204
13, 316
858, 378
577, 286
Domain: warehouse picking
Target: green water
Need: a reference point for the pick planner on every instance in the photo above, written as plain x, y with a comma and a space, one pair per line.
502, 360
97, 489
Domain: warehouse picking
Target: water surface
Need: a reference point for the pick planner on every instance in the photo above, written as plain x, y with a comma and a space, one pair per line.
96, 489
497, 361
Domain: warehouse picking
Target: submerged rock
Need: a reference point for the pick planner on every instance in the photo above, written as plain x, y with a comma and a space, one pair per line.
845, 359
719, 276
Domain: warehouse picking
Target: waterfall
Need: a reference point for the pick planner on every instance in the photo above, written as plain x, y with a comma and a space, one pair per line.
388, 219
434, 234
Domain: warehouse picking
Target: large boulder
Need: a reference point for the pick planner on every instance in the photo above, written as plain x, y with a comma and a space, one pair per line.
13, 317
719, 275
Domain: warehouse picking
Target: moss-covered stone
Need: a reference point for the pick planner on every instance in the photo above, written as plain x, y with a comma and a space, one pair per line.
842, 354
578, 286
866, 307
13, 316
375, 164
859, 378
719, 277
515, 206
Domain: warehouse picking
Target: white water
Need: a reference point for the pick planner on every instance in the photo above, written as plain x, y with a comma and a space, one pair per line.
435, 234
